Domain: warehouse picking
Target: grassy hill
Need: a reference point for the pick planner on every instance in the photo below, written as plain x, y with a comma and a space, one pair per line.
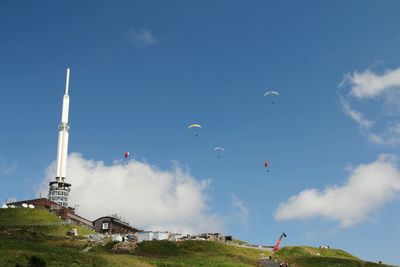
309, 256
35, 235
196, 253
38, 220
25, 233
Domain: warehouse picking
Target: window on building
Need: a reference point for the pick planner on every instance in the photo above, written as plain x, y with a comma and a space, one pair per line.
105, 226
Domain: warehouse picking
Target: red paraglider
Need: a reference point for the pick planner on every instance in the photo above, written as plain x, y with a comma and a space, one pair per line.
126, 156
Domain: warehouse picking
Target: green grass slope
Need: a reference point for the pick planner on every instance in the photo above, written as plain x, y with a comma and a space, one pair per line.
206, 253
304, 251
19, 216
25, 233
315, 257
32, 234
196, 253
40, 220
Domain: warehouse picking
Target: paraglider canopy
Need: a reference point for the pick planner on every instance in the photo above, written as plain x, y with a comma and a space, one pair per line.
126, 155
195, 125
272, 93
219, 148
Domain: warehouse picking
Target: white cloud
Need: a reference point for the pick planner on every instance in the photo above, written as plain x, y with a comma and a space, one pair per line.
240, 210
143, 194
377, 139
390, 136
141, 37
357, 116
368, 84
367, 189
384, 129
392, 103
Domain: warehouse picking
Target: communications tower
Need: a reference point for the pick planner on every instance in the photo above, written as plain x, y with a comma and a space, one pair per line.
59, 189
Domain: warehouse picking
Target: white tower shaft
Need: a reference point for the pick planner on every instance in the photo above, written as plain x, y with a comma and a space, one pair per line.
62, 148
59, 189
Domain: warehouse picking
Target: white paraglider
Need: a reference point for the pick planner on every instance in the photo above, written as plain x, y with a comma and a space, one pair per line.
272, 94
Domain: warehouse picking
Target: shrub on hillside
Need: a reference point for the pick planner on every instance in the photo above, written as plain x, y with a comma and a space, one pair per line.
36, 261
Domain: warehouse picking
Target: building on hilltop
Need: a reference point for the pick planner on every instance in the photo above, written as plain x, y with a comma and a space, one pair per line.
64, 213
152, 235
113, 225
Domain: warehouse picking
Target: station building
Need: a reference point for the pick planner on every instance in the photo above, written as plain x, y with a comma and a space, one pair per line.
113, 225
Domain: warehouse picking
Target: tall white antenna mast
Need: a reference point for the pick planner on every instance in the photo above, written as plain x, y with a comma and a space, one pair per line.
59, 190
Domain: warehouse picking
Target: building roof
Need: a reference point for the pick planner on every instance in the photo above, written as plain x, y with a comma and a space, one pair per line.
118, 221
47, 201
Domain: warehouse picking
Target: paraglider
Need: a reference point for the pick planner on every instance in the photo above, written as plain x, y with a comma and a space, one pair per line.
126, 156
219, 150
195, 125
273, 94
276, 247
266, 164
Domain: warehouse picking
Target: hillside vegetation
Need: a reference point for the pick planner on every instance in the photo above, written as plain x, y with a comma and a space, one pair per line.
38, 220
38, 237
197, 253
27, 233
316, 257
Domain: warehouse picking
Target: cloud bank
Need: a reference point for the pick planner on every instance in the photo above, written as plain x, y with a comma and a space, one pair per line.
384, 129
366, 190
144, 195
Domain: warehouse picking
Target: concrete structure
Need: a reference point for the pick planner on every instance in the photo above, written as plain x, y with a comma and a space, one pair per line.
117, 238
152, 235
113, 225
59, 189
67, 214
161, 235
211, 236
175, 236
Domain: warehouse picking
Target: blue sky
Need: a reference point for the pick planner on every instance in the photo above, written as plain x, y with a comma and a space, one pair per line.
141, 72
